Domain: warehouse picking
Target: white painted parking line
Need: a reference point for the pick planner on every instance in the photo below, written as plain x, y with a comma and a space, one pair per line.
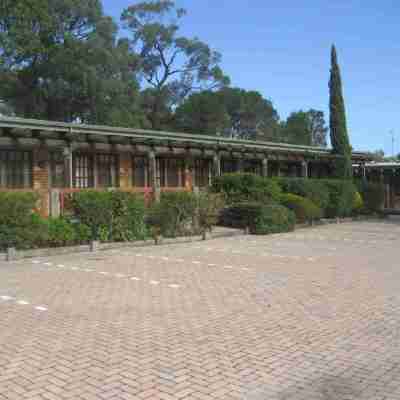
154, 282
196, 262
174, 286
41, 308
103, 273
35, 262
23, 302
61, 266
48, 263
135, 278
228, 267
212, 265
6, 298
120, 275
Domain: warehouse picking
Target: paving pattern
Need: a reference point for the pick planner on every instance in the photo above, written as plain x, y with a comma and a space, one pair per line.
313, 314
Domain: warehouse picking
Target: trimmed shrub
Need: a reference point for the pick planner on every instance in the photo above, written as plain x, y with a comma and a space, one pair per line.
334, 197
304, 209
247, 187
208, 208
341, 198
173, 215
373, 195
61, 232
274, 218
111, 216
358, 203
312, 189
258, 218
16, 208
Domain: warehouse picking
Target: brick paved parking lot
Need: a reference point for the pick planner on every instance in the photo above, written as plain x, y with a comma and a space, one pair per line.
313, 314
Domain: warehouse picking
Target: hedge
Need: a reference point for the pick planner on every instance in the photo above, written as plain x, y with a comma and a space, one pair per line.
247, 187
373, 195
259, 218
304, 209
111, 215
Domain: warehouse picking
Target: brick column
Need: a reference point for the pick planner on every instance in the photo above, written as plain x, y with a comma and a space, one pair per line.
125, 171
40, 179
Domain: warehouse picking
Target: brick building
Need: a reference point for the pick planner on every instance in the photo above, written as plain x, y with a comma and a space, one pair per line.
56, 159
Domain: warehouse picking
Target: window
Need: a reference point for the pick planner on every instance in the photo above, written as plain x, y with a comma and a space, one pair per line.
107, 170
140, 172
170, 172
201, 172
82, 165
228, 166
15, 169
57, 170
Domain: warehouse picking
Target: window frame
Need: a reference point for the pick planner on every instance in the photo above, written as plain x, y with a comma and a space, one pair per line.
16, 173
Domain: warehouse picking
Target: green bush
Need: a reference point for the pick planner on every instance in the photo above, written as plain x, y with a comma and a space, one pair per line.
112, 215
16, 208
61, 232
247, 187
258, 218
373, 195
312, 189
341, 198
304, 209
173, 215
274, 219
208, 208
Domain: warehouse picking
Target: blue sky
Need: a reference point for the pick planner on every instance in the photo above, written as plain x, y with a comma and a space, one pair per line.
282, 50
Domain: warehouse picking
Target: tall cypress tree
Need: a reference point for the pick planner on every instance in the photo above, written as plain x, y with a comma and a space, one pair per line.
337, 121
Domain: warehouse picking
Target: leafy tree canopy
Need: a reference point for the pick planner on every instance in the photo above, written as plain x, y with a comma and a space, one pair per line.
61, 61
305, 128
230, 112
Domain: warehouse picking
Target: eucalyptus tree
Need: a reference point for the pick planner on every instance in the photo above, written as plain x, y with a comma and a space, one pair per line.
172, 66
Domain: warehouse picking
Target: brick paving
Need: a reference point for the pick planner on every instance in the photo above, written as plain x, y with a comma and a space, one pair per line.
313, 314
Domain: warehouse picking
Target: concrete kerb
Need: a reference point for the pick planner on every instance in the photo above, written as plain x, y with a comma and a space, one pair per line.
12, 254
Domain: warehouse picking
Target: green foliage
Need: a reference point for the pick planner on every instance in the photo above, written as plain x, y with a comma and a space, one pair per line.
304, 209
334, 197
305, 128
312, 189
229, 112
60, 232
258, 218
341, 198
373, 195
16, 208
111, 215
337, 123
247, 187
173, 215
172, 65
358, 203
274, 218
208, 208
61, 60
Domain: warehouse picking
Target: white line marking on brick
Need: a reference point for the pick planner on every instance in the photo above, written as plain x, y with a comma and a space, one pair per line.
23, 302
135, 278
154, 282
35, 262
61, 266
6, 298
103, 273
48, 263
196, 262
228, 267
41, 308
174, 286
212, 265
120, 275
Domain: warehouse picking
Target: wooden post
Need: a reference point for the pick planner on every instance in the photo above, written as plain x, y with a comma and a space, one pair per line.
265, 167
217, 165
153, 175
304, 169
